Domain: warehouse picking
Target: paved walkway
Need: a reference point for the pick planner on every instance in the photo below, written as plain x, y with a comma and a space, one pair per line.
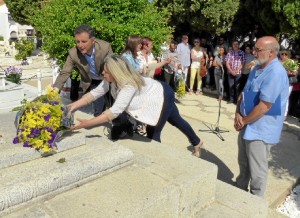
202, 113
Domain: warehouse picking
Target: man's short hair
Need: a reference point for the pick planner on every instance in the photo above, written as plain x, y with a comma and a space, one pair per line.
84, 28
185, 36
173, 42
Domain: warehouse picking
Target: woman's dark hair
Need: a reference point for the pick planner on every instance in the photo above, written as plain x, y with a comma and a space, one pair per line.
222, 46
131, 44
84, 28
145, 41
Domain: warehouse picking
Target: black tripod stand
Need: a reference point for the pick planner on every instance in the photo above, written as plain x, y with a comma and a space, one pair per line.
215, 128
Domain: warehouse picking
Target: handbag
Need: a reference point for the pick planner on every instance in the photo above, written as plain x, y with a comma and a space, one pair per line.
203, 69
120, 125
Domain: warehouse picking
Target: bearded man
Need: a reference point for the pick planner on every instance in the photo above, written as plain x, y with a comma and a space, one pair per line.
259, 115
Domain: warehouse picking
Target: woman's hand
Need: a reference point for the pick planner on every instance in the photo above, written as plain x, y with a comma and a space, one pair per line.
82, 124
167, 61
71, 108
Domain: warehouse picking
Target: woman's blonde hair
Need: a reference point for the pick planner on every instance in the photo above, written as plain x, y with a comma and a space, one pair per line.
123, 72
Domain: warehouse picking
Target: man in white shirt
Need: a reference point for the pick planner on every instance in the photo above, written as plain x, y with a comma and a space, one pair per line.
184, 52
172, 67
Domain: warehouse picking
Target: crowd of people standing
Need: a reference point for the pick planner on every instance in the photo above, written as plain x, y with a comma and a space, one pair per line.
224, 67
258, 77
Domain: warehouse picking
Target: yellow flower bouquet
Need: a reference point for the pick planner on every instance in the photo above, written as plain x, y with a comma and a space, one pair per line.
38, 122
181, 88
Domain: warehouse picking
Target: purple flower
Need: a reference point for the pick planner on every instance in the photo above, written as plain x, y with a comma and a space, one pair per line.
35, 131
16, 140
47, 117
54, 103
48, 129
13, 70
50, 141
26, 145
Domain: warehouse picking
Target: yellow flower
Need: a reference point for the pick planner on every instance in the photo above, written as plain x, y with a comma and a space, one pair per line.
38, 143
40, 120
44, 109
181, 89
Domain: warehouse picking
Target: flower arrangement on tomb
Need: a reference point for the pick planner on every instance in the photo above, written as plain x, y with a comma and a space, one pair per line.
39, 121
13, 74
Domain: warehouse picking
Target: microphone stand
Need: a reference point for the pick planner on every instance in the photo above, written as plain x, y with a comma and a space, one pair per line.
215, 128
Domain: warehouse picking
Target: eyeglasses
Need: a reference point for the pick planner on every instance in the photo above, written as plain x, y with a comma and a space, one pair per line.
196, 42
260, 49
285, 54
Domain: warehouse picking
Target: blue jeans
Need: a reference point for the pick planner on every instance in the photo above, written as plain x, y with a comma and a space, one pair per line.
234, 82
219, 82
171, 114
98, 104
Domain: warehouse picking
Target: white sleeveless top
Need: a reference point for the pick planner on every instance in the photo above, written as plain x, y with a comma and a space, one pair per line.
198, 54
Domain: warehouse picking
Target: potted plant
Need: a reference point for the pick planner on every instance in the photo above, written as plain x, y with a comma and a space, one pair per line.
25, 47
13, 74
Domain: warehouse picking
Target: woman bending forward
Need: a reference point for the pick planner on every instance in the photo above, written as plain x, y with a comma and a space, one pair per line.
145, 99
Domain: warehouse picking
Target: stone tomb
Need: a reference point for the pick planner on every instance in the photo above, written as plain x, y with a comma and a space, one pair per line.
10, 94
25, 175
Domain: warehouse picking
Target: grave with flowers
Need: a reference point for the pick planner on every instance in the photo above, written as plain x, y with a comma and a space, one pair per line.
43, 156
40, 125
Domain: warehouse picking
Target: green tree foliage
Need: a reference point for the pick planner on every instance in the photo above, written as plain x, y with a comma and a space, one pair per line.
25, 47
241, 16
286, 16
117, 18
275, 17
213, 16
113, 21
22, 10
